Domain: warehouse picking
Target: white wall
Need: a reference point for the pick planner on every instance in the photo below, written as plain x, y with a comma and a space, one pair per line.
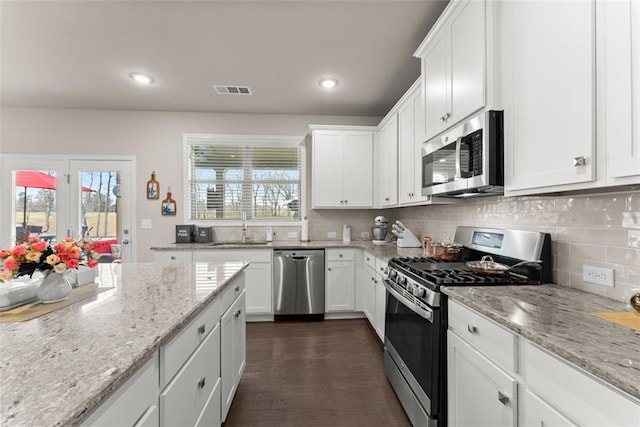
155, 138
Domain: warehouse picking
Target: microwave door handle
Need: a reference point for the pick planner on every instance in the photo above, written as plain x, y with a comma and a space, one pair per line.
458, 152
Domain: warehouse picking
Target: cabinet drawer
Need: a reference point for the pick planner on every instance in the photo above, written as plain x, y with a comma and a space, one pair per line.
490, 338
184, 399
576, 393
172, 256
175, 352
210, 415
246, 255
370, 260
380, 266
340, 254
232, 292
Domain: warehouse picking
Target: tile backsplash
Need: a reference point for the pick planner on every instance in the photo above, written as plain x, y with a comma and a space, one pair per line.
601, 230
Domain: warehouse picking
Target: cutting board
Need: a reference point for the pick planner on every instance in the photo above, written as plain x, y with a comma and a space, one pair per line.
35, 309
629, 319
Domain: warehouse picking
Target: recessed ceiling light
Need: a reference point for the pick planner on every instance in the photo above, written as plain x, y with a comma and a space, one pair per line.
328, 83
141, 78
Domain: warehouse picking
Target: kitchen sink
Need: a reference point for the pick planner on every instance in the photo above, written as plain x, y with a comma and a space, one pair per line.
247, 243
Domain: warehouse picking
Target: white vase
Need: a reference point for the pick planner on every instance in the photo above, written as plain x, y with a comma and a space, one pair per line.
54, 287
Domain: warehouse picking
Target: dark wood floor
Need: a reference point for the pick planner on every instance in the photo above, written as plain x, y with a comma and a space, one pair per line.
314, 374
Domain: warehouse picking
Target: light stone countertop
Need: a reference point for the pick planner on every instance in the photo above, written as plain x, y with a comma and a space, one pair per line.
384, 251
559, 319
58, 367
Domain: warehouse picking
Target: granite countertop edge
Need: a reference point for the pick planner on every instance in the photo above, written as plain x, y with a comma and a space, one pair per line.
81, 412
567, 333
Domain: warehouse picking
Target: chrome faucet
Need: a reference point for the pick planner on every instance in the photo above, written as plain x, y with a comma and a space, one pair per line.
244, 227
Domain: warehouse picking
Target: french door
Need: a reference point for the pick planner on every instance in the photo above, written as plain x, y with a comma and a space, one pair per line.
54, 197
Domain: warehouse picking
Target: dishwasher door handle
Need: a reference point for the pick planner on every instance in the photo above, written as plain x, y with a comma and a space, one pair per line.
298, 257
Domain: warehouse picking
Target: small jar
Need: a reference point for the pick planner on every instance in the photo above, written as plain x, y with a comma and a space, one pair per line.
427, 246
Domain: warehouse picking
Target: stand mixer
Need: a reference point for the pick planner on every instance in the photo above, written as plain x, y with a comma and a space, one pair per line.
379, 230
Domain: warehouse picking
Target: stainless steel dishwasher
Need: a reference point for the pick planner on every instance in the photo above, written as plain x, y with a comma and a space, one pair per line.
298, 284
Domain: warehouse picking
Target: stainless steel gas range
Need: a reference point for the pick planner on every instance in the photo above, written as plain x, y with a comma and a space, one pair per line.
416, 310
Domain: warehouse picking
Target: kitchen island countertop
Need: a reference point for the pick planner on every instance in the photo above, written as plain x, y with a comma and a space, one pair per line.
559, 319
57, 368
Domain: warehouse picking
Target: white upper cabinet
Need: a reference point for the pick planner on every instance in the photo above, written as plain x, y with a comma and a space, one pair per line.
620, 43
388, 162
342, 167
547, 73
453, 57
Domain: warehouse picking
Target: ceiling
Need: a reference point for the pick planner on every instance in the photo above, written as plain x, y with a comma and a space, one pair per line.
78, 54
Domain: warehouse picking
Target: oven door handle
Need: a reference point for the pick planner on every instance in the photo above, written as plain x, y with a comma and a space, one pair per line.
420, 311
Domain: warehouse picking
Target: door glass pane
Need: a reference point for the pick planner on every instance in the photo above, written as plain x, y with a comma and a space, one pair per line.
98, 211
35, 204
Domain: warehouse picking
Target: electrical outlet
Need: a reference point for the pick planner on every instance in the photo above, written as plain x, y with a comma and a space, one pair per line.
332, 234
293, 234
364, 235
598, 275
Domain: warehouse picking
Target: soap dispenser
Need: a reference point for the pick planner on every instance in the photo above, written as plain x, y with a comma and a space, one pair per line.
346, 233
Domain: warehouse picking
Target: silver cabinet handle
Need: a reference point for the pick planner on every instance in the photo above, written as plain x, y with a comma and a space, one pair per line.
202, 382
237, 288
386, 199
340, 255
503, 398
173, 257
238, 313
329, 268
579, 161
201, 329
346, 201
472, 329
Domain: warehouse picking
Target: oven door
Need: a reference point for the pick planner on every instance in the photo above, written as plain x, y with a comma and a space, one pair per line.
412, 341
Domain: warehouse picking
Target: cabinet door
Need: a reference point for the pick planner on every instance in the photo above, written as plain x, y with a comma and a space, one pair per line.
536, 413
479, 392
258, 287
380, 306
406, 153
340, 286
388, 162
436, 85
328, 168
232, 351
358, 170
549, 92
369, 295
467, 59
621, 51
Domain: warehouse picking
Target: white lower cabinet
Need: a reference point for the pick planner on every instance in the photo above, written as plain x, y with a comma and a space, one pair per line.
135, 403
373, 293
233, 349
498, 378
340, 278
185, 398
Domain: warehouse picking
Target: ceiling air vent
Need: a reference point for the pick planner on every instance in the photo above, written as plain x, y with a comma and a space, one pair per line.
232, 90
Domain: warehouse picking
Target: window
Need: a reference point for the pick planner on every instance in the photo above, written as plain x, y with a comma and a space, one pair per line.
229, 175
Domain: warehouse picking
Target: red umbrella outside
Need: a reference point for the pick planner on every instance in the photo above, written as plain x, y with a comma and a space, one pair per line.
37, 179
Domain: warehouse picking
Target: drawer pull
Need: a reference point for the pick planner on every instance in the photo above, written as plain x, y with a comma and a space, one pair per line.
201, 383
201, 329
237, 288
173, 257
340, 255
503, 398
472, 329
238, 313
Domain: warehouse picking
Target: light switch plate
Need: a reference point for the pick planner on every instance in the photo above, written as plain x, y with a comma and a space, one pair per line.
293, 234
332, 234
145, 224
364, 235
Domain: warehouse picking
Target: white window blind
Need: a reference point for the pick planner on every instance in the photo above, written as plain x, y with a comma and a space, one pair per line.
227, 178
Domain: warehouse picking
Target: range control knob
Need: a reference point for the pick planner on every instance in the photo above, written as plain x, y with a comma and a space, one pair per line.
392, 274
402, 281
419, 292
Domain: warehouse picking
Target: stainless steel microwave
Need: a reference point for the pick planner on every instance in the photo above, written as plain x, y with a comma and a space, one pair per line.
467, 160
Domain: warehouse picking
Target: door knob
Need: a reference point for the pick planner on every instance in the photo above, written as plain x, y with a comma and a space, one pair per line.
125, 242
